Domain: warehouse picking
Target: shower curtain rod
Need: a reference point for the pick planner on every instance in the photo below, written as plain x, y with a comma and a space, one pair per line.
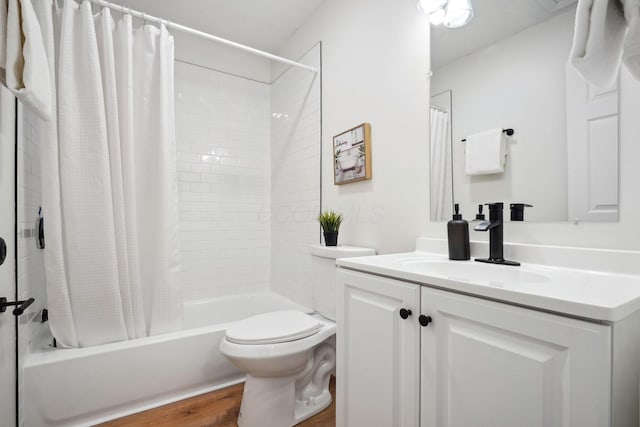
188, 30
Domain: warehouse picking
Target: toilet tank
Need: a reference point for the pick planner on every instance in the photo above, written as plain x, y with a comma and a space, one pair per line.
324, 275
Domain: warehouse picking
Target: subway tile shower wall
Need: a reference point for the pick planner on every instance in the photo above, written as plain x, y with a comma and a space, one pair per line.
223, 139
31, 277
295, 178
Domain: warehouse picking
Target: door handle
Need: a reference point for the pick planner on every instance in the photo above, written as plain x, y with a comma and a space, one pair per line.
21, 305
40, 230
3, 250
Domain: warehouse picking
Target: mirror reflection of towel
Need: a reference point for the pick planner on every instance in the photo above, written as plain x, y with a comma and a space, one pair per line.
485, 152
631, 49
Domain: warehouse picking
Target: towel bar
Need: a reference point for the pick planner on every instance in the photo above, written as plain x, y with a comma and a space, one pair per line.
509, 132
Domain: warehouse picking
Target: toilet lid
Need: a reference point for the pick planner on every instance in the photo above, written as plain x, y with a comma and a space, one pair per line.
274, 327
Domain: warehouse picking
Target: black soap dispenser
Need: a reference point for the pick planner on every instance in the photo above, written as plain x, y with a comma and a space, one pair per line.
458, 234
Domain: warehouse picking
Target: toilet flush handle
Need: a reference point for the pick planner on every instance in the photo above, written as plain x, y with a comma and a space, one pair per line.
404, 313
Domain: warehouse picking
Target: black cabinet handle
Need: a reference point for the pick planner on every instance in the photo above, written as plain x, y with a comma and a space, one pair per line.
404, 313
424, 320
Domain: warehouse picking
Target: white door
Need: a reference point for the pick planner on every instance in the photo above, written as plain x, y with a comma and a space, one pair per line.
7, 269
377, 352
486, 364
592, 148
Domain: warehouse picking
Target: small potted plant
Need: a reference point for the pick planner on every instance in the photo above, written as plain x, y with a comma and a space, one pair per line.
330, 222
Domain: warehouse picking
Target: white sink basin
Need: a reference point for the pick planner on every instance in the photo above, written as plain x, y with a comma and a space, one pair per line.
474, 272
589, 283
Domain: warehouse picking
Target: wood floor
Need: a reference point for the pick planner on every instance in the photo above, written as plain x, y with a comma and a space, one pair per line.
216, 409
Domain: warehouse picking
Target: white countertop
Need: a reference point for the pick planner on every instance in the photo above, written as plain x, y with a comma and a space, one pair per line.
597, 295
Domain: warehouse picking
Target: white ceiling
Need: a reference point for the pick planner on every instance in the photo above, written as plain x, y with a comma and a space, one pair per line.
264, 25
493, 20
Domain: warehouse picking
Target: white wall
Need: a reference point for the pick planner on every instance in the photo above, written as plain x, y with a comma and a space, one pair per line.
519, 83
223, 140
374, 67
196, 50
374, 56
295, 178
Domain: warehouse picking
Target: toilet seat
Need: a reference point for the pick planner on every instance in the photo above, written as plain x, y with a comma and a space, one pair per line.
273, 327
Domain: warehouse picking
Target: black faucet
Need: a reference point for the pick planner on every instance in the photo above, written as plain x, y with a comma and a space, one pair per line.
495, 225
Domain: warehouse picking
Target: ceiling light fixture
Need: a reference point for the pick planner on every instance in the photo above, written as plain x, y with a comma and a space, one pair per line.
430, 6
437, 17
458, 13
451, 13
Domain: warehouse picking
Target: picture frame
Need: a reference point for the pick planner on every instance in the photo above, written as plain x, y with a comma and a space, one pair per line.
352, 155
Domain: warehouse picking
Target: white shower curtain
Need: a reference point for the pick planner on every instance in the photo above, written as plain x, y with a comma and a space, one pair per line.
441, 181
108, 178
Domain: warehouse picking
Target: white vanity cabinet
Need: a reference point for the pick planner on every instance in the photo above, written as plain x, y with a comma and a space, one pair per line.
378, 352
485, 363
475, 363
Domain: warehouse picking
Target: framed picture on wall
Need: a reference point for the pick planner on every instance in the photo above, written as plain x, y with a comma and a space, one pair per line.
352, 155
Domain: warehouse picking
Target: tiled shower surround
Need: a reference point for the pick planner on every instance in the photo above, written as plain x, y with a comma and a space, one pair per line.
30, 259
223, 140
295, 178
248, 180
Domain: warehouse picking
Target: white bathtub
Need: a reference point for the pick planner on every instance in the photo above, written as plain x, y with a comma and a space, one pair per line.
79, 387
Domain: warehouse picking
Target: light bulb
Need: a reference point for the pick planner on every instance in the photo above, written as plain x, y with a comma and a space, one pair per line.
437, 17
458, 13
430, 6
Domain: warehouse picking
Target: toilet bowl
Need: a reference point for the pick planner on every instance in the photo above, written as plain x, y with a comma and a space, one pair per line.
288, 356
288, 381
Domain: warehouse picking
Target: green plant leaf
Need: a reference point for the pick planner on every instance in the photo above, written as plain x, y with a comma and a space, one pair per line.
330, 221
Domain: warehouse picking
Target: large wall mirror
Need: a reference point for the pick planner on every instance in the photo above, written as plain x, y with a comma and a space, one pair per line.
508, 69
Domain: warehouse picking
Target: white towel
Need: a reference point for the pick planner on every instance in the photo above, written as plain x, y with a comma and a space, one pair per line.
598, 39
26, 59
485, 152
631, 50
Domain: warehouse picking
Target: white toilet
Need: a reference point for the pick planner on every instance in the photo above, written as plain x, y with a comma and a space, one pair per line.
289, 355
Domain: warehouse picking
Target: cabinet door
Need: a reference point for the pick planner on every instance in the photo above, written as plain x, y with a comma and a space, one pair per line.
487, 364
378, 365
